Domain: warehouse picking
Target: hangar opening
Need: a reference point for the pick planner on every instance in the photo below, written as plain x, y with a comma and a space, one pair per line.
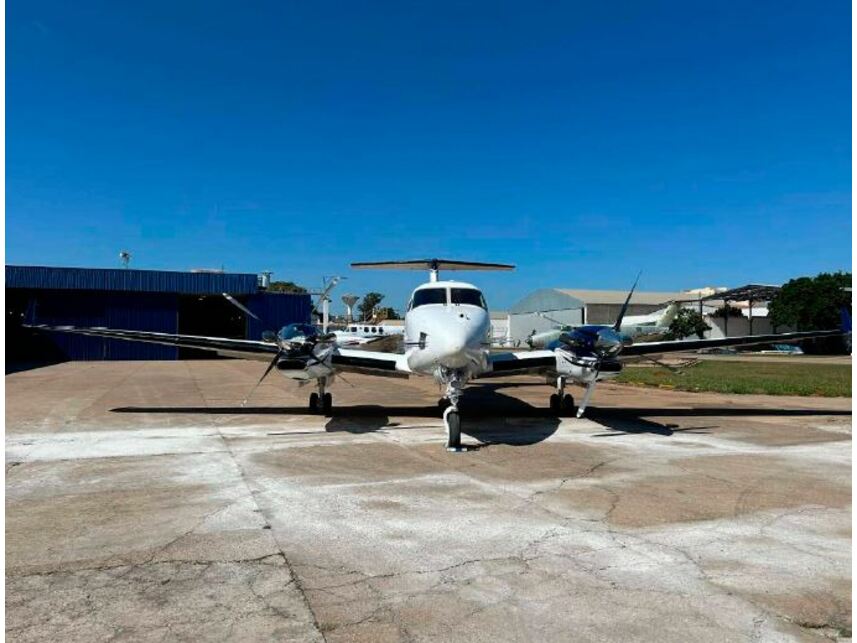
209, 316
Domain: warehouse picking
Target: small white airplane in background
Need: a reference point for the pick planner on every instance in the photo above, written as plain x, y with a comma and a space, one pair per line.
380, 336
447, 337
649, 327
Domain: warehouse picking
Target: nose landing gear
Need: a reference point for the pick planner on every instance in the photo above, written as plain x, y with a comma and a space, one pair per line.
451, 416
452, 422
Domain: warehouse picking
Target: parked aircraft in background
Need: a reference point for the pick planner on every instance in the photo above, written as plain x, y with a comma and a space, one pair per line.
380, 336
650, 327
447, 337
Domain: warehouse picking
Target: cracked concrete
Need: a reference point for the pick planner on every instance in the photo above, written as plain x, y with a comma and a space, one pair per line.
144, 503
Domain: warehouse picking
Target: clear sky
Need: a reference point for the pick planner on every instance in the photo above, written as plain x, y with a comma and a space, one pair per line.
706, 143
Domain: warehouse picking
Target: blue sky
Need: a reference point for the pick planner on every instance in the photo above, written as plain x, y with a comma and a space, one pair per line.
704, 143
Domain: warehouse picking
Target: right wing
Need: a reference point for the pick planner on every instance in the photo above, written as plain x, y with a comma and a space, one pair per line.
240, 348
355, 360
343, 359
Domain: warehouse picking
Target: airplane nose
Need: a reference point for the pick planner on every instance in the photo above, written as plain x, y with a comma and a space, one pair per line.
450, 351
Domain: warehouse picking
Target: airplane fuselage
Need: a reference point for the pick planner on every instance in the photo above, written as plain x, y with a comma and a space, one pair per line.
447, 328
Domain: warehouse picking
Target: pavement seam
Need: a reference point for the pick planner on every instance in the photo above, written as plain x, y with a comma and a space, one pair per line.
281, 552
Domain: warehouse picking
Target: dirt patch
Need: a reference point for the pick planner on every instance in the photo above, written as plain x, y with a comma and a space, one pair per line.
777, 433
709, 488
826, 611
367, 462
47, 531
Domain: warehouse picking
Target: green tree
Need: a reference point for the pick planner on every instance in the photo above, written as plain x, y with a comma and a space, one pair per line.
388, 313
686, 323
367, 306
727, 311
813, 303
286, 286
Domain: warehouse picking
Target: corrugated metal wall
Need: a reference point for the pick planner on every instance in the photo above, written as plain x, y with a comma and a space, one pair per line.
137, 300
132, 311
276, 310
191, 283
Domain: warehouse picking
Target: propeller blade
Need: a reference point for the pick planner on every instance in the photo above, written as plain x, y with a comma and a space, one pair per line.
618, 325
240, 306
264, 375
586, 396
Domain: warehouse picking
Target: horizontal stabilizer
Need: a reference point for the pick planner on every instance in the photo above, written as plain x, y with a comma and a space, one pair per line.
430, 264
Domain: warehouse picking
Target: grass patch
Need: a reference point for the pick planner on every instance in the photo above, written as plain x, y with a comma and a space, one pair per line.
766, 378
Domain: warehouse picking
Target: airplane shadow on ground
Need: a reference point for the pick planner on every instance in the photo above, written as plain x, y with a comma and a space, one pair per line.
482, 406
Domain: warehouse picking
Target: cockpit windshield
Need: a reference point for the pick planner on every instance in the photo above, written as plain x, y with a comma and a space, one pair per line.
429, 296
468, 296
297, 330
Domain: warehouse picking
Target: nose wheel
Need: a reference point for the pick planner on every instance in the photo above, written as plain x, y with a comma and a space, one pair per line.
451, 415
452, 422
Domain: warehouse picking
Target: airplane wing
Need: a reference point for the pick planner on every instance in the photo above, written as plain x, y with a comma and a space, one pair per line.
544, 361
651, 348
240, 348
516, 363
356, 360
353, 360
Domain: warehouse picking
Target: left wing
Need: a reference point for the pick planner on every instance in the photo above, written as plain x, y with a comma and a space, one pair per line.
650, 348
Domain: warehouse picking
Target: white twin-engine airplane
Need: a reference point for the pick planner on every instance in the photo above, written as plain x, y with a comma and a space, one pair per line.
447, 337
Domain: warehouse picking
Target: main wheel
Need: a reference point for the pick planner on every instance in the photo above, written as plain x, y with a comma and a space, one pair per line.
555, 403
327, 404
453, 428
313, 402
568, 405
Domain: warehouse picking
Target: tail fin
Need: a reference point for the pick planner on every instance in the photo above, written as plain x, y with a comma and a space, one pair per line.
669, 314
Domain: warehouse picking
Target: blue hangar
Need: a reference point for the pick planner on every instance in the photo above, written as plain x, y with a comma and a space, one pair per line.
190, 303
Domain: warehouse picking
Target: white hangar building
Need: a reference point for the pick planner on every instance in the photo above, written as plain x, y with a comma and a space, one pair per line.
546, 308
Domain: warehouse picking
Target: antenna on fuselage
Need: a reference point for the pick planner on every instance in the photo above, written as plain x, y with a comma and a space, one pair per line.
434, 266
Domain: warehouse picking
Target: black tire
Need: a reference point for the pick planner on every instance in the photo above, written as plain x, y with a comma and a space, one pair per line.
327, 404
568, 405
313, 402
555, 403
452, 420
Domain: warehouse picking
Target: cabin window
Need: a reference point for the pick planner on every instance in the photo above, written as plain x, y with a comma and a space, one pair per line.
468, 296
426, 296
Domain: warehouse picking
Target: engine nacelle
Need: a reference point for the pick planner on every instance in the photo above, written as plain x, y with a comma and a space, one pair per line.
583, 368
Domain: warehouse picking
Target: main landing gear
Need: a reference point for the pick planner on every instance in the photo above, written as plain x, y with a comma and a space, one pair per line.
562, 403
321, 402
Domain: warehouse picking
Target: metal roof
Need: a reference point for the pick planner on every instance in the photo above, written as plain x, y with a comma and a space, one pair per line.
129, 280
754, 292
618, 296
546, 300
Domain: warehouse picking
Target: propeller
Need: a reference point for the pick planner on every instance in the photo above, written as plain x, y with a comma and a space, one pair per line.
603, 342
271, 366
240, 306
618, 325
284, 345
